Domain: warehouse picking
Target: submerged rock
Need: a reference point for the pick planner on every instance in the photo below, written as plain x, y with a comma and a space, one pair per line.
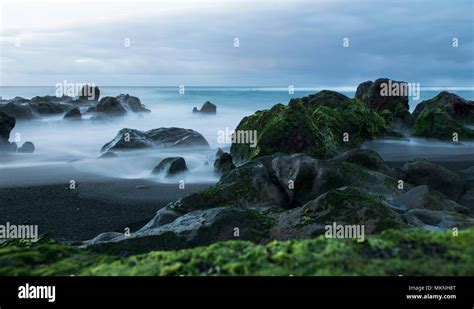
131, 139
207, 108
28, 147
132, 103
437, 220
74, 113
18, 108
109, 106
7, 123
108, 155
170, 167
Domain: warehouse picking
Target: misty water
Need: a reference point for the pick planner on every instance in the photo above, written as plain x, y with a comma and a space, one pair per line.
68, 149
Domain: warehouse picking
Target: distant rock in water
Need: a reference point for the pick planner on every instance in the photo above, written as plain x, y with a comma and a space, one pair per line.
73, 114
223, 164
89, 93
18, 108
385, 94
131, 139
170, 167
109, 106
132, 103
28, 147
207, 108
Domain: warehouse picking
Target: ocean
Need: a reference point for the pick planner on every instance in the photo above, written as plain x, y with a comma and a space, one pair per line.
78, 144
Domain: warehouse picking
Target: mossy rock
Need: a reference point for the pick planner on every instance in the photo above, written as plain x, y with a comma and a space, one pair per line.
437, 123
391, 253
313, 125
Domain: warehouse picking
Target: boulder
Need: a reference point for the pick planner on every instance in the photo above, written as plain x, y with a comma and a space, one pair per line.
170, 167
374, 95
223, 164
424, 172
7, 123
28, 147
367, 158
49, 105
131, 103
89, 93
424, 197
131, 139
207, 108
315, 126
437, 220
468, 200
74, 113
18, 108
109, 106
444, 115
343, 206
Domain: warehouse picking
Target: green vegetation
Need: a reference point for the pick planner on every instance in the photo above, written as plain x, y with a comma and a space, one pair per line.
393, 252
437, 123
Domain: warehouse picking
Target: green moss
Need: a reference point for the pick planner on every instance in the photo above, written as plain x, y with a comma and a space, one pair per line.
437, 123
391, 253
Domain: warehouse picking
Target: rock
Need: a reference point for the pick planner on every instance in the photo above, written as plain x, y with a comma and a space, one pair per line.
197, 228
372, 93
108, 155
468, 200
423, 197
223, 164
170, 167
343, 206
207, 108
109, 106
367, 158
7, 123
130, 139
423, 172
317, 130
48, 105
18, 109
89, 93
131, 103
74, 113
437, 220
219, 152
444, 115
28, 147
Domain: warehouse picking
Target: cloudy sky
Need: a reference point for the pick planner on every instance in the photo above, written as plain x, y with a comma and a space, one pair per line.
281, 43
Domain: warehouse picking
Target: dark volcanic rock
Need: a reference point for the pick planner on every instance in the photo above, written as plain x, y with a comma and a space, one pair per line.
74, 113
132, 103
367, 158
444, 115
423, 172
169, 167
109, 106
207, 108
89, 93
18, 108
7, 123
28, 147
223, 164
371, 93
129, 139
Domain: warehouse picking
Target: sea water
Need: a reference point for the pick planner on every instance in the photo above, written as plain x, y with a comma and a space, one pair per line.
77, 144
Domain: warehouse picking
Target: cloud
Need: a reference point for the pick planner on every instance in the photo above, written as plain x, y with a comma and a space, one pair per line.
281, 42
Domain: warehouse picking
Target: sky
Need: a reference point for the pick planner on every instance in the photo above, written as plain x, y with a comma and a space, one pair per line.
193, 43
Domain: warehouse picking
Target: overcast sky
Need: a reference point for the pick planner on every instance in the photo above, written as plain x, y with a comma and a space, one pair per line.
192, 43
